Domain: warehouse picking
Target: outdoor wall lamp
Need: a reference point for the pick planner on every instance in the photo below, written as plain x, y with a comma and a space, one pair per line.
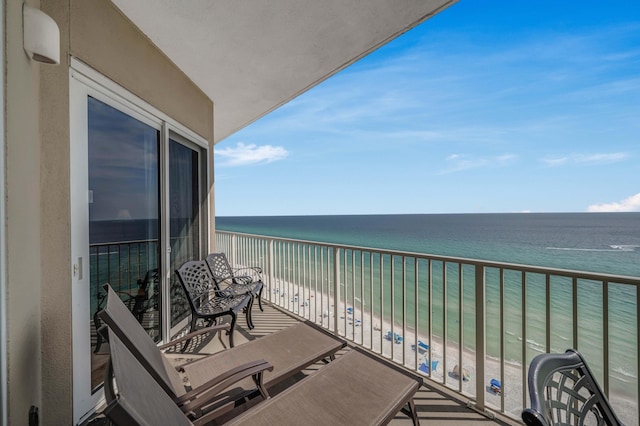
41, 36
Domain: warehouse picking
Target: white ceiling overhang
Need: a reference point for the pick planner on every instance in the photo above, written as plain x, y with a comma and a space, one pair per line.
252, 56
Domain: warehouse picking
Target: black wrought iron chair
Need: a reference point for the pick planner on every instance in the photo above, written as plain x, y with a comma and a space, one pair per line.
206, 301
238, 280
147, 296
564, 391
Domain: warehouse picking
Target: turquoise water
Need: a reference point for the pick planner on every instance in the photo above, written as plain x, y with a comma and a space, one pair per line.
595, 242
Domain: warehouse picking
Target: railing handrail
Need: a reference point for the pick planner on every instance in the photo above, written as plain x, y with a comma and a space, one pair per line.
595, 276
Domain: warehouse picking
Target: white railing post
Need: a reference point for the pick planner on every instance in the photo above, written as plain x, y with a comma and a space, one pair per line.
481, 351
336, 288
232, 254
271, 263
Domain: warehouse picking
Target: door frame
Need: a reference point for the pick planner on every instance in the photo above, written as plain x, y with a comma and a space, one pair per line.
3, 245
83, 82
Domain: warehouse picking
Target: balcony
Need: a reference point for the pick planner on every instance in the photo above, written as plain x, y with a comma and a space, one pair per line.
434, 403
461, 323
474, 321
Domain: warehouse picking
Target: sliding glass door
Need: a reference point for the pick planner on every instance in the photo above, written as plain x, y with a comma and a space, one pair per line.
184, 223
138, 210
124, 219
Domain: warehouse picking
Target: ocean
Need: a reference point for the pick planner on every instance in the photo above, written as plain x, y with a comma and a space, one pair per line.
594, 242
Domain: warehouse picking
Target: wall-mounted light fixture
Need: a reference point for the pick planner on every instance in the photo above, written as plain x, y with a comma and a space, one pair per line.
41, 36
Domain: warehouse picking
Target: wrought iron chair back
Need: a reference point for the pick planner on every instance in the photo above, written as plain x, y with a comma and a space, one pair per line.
238, 281
564, 391
219, 265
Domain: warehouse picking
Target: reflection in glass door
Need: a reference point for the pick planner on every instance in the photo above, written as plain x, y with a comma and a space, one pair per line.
184, 219
124, 219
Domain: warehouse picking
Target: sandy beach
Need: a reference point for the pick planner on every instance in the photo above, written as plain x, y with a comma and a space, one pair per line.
364, 329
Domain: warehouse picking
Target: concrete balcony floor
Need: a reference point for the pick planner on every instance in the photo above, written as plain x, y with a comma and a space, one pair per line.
435, 404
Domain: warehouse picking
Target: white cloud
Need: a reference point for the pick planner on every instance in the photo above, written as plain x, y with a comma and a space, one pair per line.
244, 155
554, 162
459, 162
601, 158
630, 204
589, 159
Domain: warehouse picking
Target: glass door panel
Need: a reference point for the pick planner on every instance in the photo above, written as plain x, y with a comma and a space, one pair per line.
184, 219
124, 219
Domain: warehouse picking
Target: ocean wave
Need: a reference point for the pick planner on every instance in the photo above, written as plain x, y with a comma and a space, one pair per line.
625, 247
627, 375
561, 337
613, 248
538, 347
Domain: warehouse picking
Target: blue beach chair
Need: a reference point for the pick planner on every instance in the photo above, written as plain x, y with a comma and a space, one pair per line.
424, 367
396, 337
422, 347
495, 386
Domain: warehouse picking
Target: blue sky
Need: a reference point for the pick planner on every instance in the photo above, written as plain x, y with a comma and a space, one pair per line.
490, 106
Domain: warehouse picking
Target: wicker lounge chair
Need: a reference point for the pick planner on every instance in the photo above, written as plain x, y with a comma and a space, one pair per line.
289, 351
238, 280
563, 390
206, 301
356, 389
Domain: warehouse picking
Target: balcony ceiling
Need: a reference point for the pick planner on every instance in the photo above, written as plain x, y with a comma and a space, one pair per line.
252, 56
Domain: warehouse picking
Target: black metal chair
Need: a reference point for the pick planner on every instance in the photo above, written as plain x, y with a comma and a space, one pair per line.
143, 302
206, 301
564, 391
239, 280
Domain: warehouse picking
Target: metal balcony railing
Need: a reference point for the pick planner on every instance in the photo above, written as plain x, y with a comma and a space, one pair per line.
124, 264
121, 264
461, 322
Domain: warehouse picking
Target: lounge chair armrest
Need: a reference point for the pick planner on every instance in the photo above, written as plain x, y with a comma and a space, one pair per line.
211, 329
194, 400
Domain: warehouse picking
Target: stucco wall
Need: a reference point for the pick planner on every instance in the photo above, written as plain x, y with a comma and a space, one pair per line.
23, 222
57, 372
37, 184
